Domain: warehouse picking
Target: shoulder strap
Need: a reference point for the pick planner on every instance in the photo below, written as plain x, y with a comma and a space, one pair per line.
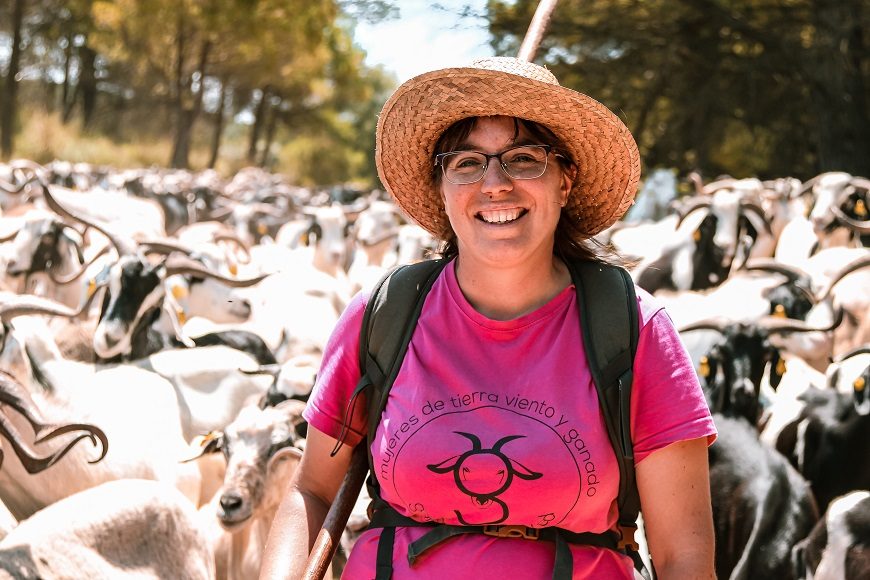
388, 323
607, 306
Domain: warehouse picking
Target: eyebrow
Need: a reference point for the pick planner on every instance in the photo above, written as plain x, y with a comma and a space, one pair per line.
519, 142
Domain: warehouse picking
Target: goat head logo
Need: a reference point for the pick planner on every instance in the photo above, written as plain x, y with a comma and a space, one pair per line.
484, 474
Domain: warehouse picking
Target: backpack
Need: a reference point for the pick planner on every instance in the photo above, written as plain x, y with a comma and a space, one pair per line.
608, 318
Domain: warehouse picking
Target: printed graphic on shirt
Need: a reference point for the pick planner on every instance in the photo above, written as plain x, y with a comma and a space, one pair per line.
484, 474
481, 462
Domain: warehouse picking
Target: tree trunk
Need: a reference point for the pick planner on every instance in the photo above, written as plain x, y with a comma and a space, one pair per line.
65, 106
87, 82
9, 103
218, 127
257, 127
184, 130
270, 132
837, 90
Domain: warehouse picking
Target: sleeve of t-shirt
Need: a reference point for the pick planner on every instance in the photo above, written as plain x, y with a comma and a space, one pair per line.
667, 404
339, 374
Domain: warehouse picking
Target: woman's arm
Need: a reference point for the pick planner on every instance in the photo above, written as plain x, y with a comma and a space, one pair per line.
674, 487
304, 508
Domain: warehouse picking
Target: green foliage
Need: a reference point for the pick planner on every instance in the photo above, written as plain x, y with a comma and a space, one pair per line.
750, 87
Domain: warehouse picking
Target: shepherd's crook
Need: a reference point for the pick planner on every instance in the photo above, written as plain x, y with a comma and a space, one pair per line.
339, 512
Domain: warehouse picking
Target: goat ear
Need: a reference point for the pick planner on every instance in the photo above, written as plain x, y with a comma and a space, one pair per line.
524, 472
283, 458
211, 442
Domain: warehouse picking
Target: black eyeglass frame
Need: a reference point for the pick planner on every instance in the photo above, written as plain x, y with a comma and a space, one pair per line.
439, 160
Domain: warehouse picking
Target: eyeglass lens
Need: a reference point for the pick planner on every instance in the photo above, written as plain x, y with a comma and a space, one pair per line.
524, 162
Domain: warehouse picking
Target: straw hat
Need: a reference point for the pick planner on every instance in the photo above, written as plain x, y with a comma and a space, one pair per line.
422, 108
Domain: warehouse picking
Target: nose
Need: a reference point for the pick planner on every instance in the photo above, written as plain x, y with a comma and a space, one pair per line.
494, 179
231, 501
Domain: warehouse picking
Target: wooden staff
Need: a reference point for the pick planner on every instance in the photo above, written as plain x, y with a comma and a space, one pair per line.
536, 30
339, 512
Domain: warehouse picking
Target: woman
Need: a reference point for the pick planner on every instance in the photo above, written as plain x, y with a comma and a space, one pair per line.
494, 417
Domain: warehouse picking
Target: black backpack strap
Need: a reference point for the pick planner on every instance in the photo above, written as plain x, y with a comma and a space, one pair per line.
607, 305
387, 327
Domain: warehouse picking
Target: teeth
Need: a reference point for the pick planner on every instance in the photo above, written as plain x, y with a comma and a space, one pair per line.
500, 216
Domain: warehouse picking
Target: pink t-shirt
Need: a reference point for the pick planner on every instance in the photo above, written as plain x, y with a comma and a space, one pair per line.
498, 422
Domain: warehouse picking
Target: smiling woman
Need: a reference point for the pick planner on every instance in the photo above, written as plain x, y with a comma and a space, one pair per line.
514, 173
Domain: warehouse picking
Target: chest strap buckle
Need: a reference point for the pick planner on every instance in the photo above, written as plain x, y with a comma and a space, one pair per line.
512, 532
626, 538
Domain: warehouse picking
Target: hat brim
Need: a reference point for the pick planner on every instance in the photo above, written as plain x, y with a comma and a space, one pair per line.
422, 108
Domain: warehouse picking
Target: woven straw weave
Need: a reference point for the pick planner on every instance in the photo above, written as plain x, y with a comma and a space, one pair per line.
421, 109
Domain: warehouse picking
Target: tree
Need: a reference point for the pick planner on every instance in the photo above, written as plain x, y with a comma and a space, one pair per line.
9, 104
759, 87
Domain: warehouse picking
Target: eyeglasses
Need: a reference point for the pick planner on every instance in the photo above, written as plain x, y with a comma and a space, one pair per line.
523, 162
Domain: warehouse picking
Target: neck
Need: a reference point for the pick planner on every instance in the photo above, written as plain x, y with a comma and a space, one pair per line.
508, 293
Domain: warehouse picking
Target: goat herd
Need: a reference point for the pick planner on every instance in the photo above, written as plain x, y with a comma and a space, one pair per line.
162, 330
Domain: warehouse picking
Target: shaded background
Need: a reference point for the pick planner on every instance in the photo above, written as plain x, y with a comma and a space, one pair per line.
746, 88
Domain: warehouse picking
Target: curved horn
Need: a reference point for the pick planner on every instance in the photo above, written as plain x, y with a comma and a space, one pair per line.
697, 181
863, 349
232, 237
809, 184
773, 265
163, 246
753, 207
717, 185
717, 324
73, 277
12, 305
11, 227
272, 370
777, 325
125, 246
692, 205
852, 266
860, 226
11, 395
178, 265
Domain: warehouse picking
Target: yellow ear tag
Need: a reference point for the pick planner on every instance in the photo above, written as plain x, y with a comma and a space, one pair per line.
779, 311
92, 287
262, 229
861, 208
304, 239
234, 269
704, 368
780, 367
859, 384
697, 235
182, 317
179, 292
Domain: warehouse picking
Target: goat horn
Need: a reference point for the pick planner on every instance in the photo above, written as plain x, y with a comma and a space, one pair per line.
232, 237
692, 205
863, 349
163, 247
717, 185
852, 266
860, 226
809, 184
11, 394
125, 246
177, 265
772, 265
697, 181
73, 277
717, 324
757, 210
272, 370
13, 305
777, 325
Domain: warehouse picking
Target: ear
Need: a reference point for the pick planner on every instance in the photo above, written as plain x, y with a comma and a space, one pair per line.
211, 442
284, 458
565, 185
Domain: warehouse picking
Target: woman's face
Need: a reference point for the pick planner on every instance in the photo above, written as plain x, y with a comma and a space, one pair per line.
500, 221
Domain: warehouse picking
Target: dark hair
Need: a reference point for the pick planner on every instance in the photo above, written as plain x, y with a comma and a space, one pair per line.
568, 241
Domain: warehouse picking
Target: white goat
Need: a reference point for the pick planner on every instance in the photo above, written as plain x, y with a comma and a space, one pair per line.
129, 529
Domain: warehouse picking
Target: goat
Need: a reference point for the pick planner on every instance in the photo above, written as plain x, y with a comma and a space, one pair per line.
131, 529
838, 548
260, 447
